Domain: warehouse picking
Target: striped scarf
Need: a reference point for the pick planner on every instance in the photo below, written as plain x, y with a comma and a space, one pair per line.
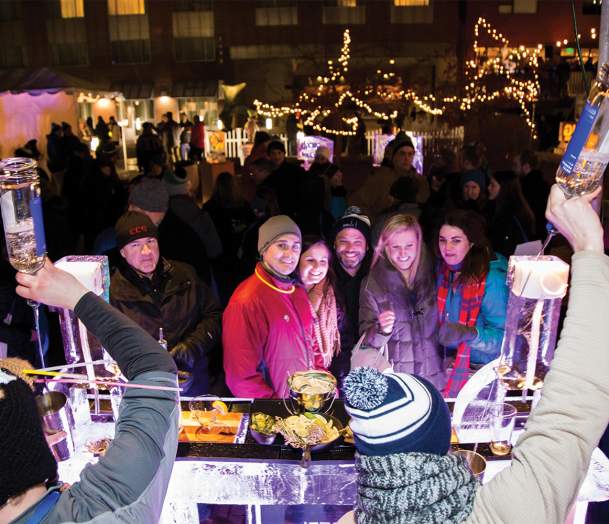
325, 323
471, 299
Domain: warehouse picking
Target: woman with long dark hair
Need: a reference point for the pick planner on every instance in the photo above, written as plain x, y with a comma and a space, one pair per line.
472, 294
317, 277
511, 221
398, 301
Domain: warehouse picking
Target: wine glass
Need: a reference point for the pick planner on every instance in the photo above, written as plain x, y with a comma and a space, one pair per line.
21, 206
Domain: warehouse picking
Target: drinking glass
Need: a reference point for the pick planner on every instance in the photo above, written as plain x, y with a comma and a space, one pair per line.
502, 418
203, 411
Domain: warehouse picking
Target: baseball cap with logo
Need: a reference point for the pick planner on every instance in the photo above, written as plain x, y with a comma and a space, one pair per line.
133, 226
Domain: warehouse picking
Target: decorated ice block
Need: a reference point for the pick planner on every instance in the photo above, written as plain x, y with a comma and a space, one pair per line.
537, 287
80, 345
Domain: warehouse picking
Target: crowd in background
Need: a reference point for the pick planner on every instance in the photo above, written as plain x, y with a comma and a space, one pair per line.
283, 269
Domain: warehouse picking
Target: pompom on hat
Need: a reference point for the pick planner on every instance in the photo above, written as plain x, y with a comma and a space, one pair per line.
396, 413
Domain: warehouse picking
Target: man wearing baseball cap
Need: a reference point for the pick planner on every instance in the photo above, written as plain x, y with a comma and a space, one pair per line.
165, 294
268, 325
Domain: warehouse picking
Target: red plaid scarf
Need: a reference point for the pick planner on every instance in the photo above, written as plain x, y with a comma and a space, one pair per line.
471, 300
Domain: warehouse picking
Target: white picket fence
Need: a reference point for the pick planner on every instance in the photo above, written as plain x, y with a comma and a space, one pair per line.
236, 139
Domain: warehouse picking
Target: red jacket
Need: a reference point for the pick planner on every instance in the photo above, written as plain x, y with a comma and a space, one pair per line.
197, 136
267, 336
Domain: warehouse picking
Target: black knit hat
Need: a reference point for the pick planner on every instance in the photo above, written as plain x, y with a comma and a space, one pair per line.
133, 226
25, 457
355, 219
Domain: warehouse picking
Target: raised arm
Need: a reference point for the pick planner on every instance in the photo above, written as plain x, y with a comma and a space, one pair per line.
129, 483
551, 458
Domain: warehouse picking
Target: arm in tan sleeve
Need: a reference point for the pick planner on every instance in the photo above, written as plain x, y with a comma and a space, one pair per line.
551, 458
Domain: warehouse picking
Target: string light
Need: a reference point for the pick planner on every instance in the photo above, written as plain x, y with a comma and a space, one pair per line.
331, 93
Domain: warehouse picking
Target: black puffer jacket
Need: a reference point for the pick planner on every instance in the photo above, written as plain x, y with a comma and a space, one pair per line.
177, 301
413, 345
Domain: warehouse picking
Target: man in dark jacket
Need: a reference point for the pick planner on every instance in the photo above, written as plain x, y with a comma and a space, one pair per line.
534, 188
351, 264
165, 295
285, 180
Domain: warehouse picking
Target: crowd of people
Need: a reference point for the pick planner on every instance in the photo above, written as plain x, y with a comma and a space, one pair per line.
283, 269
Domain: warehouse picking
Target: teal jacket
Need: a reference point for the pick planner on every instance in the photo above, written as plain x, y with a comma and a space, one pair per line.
491, 319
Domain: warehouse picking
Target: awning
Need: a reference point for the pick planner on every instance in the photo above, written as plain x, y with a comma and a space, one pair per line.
195, 88
133, 90
45, 80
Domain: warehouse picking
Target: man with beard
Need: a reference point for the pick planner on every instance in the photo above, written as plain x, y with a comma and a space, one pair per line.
351, 264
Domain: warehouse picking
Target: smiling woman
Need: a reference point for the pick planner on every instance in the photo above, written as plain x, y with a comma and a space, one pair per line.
398, 303
472, 294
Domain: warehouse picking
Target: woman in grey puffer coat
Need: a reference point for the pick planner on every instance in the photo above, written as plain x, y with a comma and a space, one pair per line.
398, 302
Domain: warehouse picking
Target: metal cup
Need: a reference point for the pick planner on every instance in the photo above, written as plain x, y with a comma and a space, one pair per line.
56, 415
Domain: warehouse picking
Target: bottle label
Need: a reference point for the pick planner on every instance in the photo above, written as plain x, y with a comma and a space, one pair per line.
36, 210
578, 140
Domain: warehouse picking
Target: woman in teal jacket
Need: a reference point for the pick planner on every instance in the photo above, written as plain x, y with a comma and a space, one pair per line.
472, 294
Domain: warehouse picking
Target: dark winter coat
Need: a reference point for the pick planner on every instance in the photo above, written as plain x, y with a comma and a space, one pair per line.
413, 344
177, 301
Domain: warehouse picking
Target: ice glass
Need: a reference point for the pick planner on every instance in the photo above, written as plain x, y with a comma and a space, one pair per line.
502, 418
202, 410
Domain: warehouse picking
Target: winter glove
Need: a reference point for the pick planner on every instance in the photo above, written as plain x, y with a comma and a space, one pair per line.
451, 334
183, 355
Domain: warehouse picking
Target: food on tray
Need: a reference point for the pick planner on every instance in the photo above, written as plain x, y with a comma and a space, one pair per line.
312, 383
219, 406
305, 430
263, 423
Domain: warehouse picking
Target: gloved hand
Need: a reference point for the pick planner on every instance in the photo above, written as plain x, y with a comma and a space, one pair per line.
183, 356
451, 334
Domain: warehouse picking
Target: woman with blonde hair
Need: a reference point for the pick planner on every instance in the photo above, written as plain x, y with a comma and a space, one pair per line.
398, 301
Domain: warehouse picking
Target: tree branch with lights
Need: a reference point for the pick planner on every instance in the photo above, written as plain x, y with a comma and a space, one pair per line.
334, 100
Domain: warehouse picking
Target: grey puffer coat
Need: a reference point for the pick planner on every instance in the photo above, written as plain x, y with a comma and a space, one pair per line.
413, 344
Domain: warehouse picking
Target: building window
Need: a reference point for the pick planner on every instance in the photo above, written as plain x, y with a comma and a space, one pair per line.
193, 36
72, 8
276, 13
126, 7
12, 48
412, 12
68, 41
343, 12
518, 7
129, 39
193, 5
410, 3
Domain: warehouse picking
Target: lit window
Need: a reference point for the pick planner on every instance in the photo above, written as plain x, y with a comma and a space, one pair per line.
72, 8
525, 7
276, 16
410, 3
346, 3
126, 7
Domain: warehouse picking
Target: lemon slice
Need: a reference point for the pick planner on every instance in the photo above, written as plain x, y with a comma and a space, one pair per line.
220, 406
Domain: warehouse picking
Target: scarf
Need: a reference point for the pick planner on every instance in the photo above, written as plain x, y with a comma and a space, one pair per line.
472, 293
325, 323
413, 488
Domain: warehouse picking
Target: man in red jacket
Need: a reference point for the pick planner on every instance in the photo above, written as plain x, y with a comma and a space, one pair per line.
268, 325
